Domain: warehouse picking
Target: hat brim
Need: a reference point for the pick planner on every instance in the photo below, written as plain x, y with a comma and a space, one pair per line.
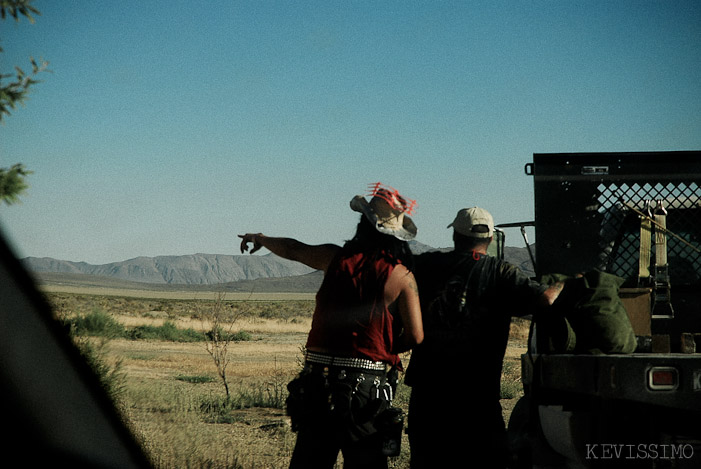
407, 232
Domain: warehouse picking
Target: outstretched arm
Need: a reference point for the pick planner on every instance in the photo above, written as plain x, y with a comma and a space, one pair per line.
316, 257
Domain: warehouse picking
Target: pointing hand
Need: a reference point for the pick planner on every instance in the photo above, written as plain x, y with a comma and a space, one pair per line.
250, 238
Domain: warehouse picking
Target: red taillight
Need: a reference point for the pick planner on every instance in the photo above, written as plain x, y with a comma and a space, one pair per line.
662, 378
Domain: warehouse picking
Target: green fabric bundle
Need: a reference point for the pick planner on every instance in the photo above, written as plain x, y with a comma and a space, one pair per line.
589, 316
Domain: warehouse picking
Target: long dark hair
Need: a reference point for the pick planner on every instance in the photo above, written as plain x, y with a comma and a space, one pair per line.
375, 244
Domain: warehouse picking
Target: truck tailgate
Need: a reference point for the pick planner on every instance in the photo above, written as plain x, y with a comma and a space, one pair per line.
670, 380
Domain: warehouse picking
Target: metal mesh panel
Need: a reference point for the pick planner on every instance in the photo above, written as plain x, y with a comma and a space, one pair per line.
620, 228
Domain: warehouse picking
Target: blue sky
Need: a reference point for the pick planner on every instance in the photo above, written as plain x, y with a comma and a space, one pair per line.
168, 127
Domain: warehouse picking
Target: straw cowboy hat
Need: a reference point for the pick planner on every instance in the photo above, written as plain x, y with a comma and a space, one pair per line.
387, 211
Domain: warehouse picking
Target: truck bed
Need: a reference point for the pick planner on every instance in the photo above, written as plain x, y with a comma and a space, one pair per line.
618, 377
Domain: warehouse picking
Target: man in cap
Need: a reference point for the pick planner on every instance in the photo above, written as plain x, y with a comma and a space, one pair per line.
467, 301
367, 311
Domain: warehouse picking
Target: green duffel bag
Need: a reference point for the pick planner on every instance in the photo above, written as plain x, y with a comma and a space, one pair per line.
595, 319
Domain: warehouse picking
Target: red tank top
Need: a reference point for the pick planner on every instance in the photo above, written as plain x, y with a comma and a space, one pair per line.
351, 318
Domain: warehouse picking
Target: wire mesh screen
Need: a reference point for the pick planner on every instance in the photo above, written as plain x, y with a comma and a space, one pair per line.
621, 206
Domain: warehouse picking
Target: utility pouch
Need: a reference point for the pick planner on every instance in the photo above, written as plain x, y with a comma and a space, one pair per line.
294, 402
390, 424
358, 403
309, 400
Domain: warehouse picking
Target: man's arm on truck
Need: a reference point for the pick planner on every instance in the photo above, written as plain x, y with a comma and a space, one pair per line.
550, 295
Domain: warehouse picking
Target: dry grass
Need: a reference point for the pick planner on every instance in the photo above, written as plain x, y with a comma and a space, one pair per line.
164, 409
520, 329
173, 295
248, 324
163, 404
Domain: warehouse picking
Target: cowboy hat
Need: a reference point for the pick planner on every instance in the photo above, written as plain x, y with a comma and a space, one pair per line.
387, 210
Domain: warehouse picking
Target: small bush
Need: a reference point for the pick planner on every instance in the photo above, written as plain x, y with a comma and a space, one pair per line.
239, 336
112, 378
168, 331
199, 379
144, 333
97, 323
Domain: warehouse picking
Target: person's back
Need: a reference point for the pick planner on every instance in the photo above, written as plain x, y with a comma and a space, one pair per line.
494, 292
367, 311
467, 301
352, 317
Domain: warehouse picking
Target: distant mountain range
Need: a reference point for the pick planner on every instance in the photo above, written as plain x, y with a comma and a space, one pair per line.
194, 269
202, 271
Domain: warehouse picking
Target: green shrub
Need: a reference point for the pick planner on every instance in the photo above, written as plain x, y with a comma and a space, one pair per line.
144, 333
97, 323
112, 377
199, 379
168, 331
239, 336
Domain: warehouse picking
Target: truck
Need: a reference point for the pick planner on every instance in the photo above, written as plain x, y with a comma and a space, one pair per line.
635, 216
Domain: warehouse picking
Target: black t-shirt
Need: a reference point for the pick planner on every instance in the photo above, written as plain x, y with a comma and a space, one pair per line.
469, 345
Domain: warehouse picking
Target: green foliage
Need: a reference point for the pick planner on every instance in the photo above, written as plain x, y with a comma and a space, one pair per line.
16, 91
284, 310
241, 336
102, 325
168, 331
97, 323
12, 183
17, 8
199, 379
220, 334
112, 378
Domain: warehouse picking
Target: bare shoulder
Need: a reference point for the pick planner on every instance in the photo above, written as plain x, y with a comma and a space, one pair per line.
402, 278
400, 271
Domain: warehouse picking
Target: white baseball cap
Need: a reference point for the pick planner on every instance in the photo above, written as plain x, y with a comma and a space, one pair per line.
474, 222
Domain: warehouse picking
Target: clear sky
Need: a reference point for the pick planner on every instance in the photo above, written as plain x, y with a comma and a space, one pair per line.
168, 127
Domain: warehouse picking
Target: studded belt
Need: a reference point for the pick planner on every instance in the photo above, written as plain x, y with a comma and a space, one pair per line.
330, 360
